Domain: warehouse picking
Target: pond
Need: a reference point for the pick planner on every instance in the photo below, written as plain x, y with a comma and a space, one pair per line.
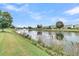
68, 40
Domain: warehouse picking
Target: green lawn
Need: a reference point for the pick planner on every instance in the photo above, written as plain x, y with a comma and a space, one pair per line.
12, 44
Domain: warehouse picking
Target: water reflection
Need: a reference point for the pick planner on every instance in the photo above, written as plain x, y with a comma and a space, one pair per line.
29, 30
51, 34
39, 33
39, 36
59, 36
45, 38
68, 40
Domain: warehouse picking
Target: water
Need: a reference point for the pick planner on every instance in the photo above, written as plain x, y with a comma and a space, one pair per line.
68, 40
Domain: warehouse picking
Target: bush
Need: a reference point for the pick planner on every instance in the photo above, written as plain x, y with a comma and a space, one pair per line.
49, 47
39, 46
51, 53
26, 36
34, 42
58, 50
42, 44
39, 41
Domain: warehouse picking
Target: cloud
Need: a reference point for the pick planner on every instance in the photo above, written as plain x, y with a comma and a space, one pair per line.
15, 8
75, 21
36, 16
42, 15
65, 21
24, 8
55, 19
11, 7
73, 11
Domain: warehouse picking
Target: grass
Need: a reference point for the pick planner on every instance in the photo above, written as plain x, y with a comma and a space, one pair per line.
57, 30
12, 44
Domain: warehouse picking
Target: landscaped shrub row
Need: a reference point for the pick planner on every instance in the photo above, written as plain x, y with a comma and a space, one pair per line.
48, 49
51, 51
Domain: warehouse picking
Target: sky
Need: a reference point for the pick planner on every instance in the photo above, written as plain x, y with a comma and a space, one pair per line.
31, 14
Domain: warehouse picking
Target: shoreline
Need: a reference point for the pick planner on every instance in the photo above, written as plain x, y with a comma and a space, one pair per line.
57, 30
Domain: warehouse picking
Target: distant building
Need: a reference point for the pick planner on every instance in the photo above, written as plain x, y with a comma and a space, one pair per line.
76, 26
68, 26
71, 26
53, 26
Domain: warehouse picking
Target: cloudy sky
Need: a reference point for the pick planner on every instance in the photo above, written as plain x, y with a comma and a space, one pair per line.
42, 13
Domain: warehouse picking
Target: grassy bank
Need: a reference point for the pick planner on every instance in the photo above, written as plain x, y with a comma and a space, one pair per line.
12, 44
56, 30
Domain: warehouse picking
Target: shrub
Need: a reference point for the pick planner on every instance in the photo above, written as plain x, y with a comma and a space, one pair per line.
42, 44
50, 52
39, 41
49, 47
26, 36
34, 42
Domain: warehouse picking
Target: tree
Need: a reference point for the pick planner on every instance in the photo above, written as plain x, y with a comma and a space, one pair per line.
39, 26
59, 24
73, 26
5, 20
29, 27
49, 27
69, 28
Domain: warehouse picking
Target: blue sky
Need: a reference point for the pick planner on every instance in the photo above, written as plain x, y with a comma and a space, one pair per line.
31, 14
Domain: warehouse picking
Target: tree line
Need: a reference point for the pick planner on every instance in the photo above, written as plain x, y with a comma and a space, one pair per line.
59, 24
